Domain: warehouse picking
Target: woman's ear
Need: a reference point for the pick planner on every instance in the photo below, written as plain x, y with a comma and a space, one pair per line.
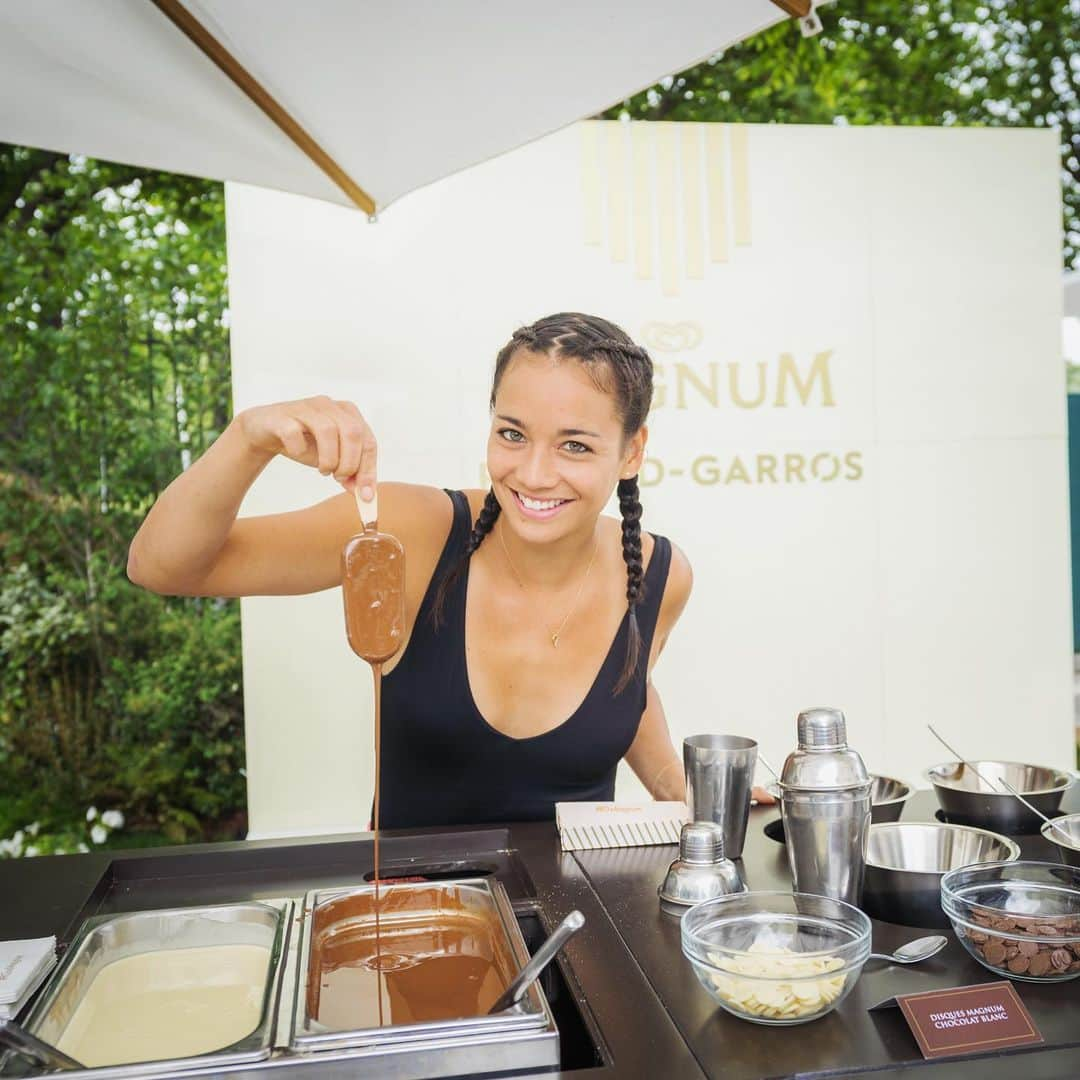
635, 453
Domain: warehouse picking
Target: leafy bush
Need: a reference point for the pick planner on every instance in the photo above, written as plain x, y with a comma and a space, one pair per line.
114, 375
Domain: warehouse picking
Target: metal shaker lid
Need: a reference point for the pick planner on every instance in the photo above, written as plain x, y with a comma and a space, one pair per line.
701, 842
823, 761
701, 871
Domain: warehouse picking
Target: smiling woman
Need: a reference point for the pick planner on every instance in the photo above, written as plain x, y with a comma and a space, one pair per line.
525, 674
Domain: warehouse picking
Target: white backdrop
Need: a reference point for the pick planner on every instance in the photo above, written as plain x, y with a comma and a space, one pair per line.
858, 436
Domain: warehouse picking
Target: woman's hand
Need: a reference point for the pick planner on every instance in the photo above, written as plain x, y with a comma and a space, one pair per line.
331, 436
762, 797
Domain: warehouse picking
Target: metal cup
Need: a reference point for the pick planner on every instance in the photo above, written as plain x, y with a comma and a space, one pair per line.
719, 777
827, 833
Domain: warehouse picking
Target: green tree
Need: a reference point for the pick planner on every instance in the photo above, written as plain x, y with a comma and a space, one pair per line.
994, 63
114, 373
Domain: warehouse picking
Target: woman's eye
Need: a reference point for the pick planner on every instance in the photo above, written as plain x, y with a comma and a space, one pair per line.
575, 447
511, 435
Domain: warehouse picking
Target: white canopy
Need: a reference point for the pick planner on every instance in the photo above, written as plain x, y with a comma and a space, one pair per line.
390, 96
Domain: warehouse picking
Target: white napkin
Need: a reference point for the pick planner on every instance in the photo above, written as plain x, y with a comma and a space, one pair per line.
23, 966
584, 825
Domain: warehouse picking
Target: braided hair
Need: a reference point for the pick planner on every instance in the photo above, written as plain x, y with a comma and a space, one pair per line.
617, 367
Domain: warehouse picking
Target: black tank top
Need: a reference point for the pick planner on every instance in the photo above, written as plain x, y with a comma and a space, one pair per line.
443, 764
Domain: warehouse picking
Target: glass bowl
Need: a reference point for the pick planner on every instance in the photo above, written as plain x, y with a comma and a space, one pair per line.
776, 957
1019, 919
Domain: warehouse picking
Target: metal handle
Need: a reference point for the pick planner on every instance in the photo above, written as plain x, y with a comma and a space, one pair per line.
37, 1050
960, 758
1049, 821
544, 955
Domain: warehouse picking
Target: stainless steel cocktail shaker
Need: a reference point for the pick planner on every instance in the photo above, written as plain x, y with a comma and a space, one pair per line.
825, 803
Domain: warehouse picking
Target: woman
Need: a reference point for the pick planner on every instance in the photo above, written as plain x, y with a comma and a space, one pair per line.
532, 620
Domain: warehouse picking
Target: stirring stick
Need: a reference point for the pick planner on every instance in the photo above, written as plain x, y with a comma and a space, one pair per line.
1039, 813
369, 511
960, 758
765, 761
779, 783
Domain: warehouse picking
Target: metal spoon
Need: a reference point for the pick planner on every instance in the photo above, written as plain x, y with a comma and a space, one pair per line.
37, 1050
1049, 821
544, 955
914, 951
966, 764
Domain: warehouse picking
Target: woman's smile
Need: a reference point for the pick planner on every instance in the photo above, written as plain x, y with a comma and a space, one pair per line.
538, 509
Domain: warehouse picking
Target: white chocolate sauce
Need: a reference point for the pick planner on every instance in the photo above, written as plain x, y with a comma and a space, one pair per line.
169, 1003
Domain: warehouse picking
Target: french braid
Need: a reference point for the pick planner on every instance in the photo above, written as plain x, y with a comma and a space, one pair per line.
630, 509
485, 522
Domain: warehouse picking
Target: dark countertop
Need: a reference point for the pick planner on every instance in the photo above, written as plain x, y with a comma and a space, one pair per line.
630, 1030
849, 1040
639, 1000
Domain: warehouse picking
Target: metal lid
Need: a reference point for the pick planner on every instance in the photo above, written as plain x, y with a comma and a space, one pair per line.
823, 761
701, 842
822, 729
701, 871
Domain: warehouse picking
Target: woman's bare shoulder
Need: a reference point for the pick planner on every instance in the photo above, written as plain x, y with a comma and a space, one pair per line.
680, 581
476, 497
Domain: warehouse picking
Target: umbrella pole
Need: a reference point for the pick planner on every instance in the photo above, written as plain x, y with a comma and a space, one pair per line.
224, 60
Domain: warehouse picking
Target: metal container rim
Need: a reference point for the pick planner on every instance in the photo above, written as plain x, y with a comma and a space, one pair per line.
250, 1049
931, 775
518, 1018
1010, 845
908, 789
720, 742
1048, 832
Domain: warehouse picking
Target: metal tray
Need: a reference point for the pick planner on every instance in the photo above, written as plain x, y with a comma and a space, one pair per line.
108, 938
521, 1037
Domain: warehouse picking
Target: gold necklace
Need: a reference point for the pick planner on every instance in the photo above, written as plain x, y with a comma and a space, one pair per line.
521, 584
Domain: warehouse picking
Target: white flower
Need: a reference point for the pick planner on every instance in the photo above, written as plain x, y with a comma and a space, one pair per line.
33, 827
17, 839
31, 851
91, 813
113, 818
82, 849
99, 834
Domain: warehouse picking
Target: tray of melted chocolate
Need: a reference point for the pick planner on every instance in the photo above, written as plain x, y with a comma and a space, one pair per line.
420, 964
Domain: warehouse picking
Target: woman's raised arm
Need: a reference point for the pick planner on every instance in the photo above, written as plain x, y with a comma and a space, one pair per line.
191, 542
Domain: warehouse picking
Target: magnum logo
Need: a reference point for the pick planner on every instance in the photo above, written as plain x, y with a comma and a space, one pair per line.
666, 198
787, 381
745, 386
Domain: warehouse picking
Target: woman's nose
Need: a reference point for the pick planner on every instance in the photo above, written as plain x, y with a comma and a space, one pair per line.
538, 470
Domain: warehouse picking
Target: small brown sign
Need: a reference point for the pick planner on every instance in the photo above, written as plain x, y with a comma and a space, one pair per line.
967, 1019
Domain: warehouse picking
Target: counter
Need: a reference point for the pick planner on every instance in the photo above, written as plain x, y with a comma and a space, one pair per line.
631, 1005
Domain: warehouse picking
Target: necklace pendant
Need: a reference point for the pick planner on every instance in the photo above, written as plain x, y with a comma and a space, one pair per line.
554, 641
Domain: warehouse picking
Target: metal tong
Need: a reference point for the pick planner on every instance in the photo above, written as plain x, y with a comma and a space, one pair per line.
544, 955
36, 1050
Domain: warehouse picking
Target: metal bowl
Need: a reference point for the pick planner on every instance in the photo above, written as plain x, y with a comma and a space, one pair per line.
967, 800
1070, 853
905, 863
887, 798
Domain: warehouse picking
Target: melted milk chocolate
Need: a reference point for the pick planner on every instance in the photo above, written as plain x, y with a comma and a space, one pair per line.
427, 962
373, 587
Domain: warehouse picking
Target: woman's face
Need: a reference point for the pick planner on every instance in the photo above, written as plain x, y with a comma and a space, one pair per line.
556, 448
